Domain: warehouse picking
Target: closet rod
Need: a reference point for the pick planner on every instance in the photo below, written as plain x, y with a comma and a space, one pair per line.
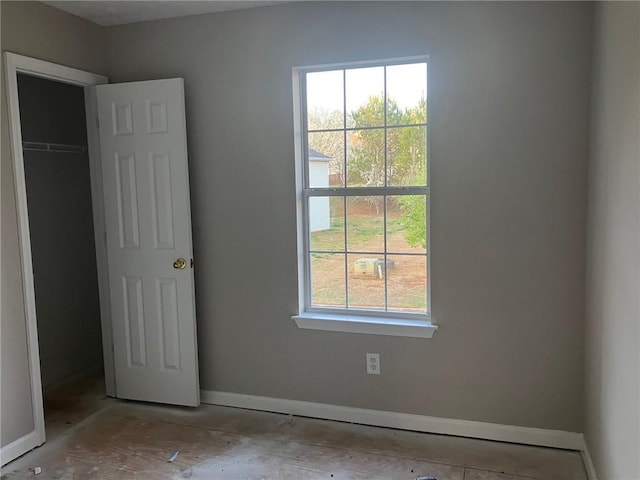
53, 147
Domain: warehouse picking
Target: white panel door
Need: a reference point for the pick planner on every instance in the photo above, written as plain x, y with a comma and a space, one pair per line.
148, 223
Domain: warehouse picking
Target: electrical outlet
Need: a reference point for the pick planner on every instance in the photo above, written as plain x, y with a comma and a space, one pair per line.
373, 363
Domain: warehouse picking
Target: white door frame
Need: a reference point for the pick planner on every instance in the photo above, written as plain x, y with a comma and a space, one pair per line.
15, 64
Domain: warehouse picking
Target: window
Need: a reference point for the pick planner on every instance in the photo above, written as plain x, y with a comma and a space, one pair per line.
363, 197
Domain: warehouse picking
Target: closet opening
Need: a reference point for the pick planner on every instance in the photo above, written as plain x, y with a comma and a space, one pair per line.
59, 204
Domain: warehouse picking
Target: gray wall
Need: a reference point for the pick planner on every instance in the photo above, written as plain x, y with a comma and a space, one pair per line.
509, 91
40, 31
612, 361
61, 229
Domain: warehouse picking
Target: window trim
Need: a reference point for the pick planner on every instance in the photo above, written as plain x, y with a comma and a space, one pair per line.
336, 319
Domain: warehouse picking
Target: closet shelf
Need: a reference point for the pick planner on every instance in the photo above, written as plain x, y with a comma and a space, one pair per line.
53, 147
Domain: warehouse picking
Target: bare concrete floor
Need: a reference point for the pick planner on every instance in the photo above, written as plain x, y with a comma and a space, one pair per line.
126, 440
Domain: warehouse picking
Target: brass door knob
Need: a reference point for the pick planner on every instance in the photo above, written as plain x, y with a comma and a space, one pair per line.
180, 264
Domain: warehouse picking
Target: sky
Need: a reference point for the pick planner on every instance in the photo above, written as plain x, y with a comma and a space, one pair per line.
406, 84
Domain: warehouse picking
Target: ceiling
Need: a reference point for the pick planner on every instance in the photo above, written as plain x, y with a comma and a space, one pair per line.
109, 13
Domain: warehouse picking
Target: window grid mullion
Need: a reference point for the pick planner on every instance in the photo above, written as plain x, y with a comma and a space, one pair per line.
386, 286
364, 252
344, 184
384, 115
365, 191
386, 183
344, 127
346, 255
354, 129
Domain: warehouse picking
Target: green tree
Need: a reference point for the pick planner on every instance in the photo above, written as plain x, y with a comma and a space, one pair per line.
411, 165
366, 147
406, 158
407, 154
405, 146
413, 220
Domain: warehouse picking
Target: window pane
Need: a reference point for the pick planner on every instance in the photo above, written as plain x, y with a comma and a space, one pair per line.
326, 224
407, 223
365, 224
365, 158
407, 156
365, 97
326, 159
407, 94
328, 280
325, 100
407, 283
365, 129
366, 282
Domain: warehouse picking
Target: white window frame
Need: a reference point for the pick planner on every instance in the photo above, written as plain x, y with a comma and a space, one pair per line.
336, 319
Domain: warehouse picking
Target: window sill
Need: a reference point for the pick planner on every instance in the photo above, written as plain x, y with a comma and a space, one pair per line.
362, 324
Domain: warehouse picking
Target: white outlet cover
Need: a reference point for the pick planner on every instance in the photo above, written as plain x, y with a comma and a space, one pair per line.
373, 363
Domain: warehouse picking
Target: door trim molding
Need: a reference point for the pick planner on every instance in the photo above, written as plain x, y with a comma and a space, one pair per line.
15, 64
402, 421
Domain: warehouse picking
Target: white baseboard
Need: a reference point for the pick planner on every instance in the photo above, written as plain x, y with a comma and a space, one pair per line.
401, 421
20, 446
588, 462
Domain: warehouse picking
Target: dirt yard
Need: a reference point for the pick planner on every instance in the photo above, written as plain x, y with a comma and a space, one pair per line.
406, 277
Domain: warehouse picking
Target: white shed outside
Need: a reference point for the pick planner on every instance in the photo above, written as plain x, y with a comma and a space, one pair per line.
319, 214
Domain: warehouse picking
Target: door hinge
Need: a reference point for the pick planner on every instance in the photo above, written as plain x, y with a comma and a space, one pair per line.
191, 263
